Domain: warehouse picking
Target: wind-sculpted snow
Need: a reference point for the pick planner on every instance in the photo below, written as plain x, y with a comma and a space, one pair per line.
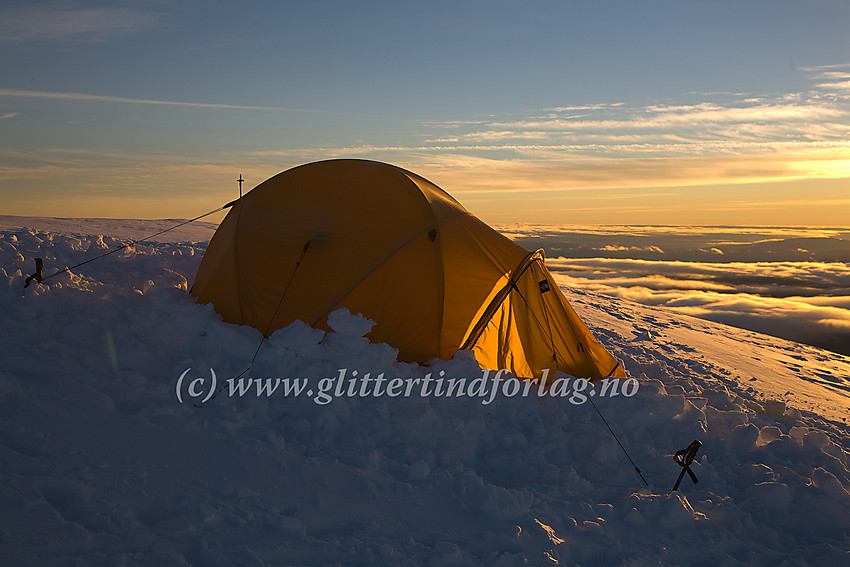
100, 464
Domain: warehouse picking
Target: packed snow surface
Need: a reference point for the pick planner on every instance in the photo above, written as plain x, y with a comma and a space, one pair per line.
101, 464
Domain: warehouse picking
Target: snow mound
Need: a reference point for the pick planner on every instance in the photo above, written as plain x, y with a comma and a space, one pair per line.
102, 465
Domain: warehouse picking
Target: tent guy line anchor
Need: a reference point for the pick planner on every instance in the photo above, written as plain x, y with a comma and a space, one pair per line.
37, 276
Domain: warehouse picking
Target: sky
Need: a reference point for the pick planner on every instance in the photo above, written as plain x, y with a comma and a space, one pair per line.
673, 113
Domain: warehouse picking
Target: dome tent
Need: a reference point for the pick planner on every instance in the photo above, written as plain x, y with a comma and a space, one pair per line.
390, 245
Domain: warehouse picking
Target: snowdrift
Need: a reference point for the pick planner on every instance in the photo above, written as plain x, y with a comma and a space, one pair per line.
102, 465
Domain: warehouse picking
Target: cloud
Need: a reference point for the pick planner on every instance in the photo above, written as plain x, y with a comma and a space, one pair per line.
531, 229
832, 78
807, 302
496, 170
49, 21
600, 106
714, 234
8, 115
666, 118
615, 248
766, 278
718, 138
680, 129
823, 322
105, 98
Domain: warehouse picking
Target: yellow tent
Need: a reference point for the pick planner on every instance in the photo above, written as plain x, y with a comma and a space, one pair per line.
389, 244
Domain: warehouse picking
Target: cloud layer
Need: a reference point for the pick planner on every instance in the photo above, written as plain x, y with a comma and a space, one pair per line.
711, 122
805, 301
818, 321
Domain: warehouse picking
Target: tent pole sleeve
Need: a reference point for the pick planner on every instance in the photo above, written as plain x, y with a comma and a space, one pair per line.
497, 301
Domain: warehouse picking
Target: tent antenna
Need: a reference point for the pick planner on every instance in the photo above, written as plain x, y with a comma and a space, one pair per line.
240, 180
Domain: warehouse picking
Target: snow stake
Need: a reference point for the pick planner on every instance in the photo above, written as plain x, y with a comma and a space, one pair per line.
37, 276
684, 458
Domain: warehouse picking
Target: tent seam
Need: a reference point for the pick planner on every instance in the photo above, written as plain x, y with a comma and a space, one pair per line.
440, 254
342, 189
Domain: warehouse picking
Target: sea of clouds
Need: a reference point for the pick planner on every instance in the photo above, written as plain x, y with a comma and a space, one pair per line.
788, 282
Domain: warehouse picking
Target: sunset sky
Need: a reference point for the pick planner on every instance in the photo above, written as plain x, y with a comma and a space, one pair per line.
620, 112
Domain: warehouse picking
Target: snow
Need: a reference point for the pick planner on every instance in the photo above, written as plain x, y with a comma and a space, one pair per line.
116, 228
102, 465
